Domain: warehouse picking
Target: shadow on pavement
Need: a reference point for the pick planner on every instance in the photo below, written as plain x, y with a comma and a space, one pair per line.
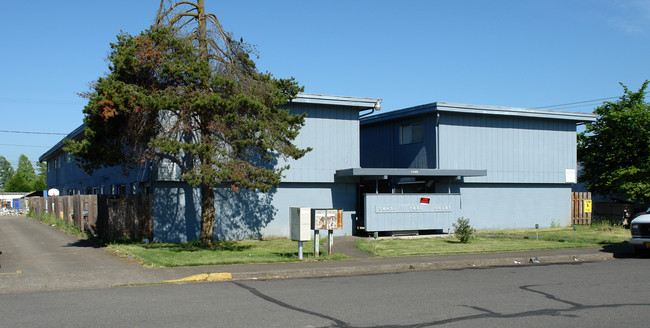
623, 251
92, 243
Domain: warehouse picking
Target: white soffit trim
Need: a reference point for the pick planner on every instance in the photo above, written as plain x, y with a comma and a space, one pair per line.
362, 103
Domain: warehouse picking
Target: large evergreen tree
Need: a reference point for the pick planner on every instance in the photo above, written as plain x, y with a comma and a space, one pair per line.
615, 150
6, 172
210, 113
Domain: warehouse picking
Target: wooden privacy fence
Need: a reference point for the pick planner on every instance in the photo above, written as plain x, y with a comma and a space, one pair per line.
581, 208
67, 208
110, 217
127, 217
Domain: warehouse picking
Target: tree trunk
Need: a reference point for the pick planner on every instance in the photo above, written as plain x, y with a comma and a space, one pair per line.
207, 214
202, 31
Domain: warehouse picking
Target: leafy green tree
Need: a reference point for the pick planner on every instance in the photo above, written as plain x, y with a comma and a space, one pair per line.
24, 177
6, 172
615, 150
18, 183
40, 183
210, 112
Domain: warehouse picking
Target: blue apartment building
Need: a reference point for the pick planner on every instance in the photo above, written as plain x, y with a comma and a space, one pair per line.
501, 167
414, 170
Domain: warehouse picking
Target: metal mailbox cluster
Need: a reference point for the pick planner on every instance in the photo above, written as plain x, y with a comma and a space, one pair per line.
305, 219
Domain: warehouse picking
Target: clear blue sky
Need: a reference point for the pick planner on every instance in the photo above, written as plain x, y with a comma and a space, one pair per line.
504, 53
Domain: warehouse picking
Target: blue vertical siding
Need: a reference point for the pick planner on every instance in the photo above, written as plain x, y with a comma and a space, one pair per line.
516, 150
245, 214
377, 145
176, 212
314, 195
499, 206
64, 174
380, 145
333, 135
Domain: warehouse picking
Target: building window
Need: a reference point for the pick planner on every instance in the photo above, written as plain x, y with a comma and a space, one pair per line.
144, 188
410, 133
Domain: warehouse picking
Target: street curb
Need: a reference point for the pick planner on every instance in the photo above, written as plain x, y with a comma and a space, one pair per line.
219, 276
411, 264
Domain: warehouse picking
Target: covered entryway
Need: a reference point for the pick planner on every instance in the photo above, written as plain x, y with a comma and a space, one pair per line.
406, 200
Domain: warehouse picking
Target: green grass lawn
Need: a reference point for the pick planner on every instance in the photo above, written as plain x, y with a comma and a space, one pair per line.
595, 233
223, 252
499, 241
285, 250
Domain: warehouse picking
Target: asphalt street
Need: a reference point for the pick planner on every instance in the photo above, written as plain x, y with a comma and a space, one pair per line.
587, 294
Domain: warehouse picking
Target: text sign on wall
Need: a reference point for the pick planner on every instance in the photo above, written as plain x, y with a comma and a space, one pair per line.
407, 208
587, 205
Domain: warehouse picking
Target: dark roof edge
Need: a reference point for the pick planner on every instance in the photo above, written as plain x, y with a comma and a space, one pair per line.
479, 109
75, 133
412, 172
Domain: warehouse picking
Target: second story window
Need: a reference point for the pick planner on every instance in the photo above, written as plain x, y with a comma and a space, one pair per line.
410, 133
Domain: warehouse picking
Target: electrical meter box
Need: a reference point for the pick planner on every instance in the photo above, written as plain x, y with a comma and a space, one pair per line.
327, 219
300, 221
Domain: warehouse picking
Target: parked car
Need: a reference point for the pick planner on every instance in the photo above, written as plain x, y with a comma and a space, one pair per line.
640, 229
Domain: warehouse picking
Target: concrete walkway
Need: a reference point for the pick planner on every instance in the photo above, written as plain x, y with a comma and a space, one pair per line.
40, 258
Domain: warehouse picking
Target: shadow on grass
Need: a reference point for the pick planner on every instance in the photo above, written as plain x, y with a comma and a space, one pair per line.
193, 246
323, 257
290, 255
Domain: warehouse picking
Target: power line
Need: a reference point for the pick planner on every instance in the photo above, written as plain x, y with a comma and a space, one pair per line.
569, 105
34, 146
39, 101
32, 132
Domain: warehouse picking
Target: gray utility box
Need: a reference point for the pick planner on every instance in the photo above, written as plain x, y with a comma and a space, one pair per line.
300, 221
